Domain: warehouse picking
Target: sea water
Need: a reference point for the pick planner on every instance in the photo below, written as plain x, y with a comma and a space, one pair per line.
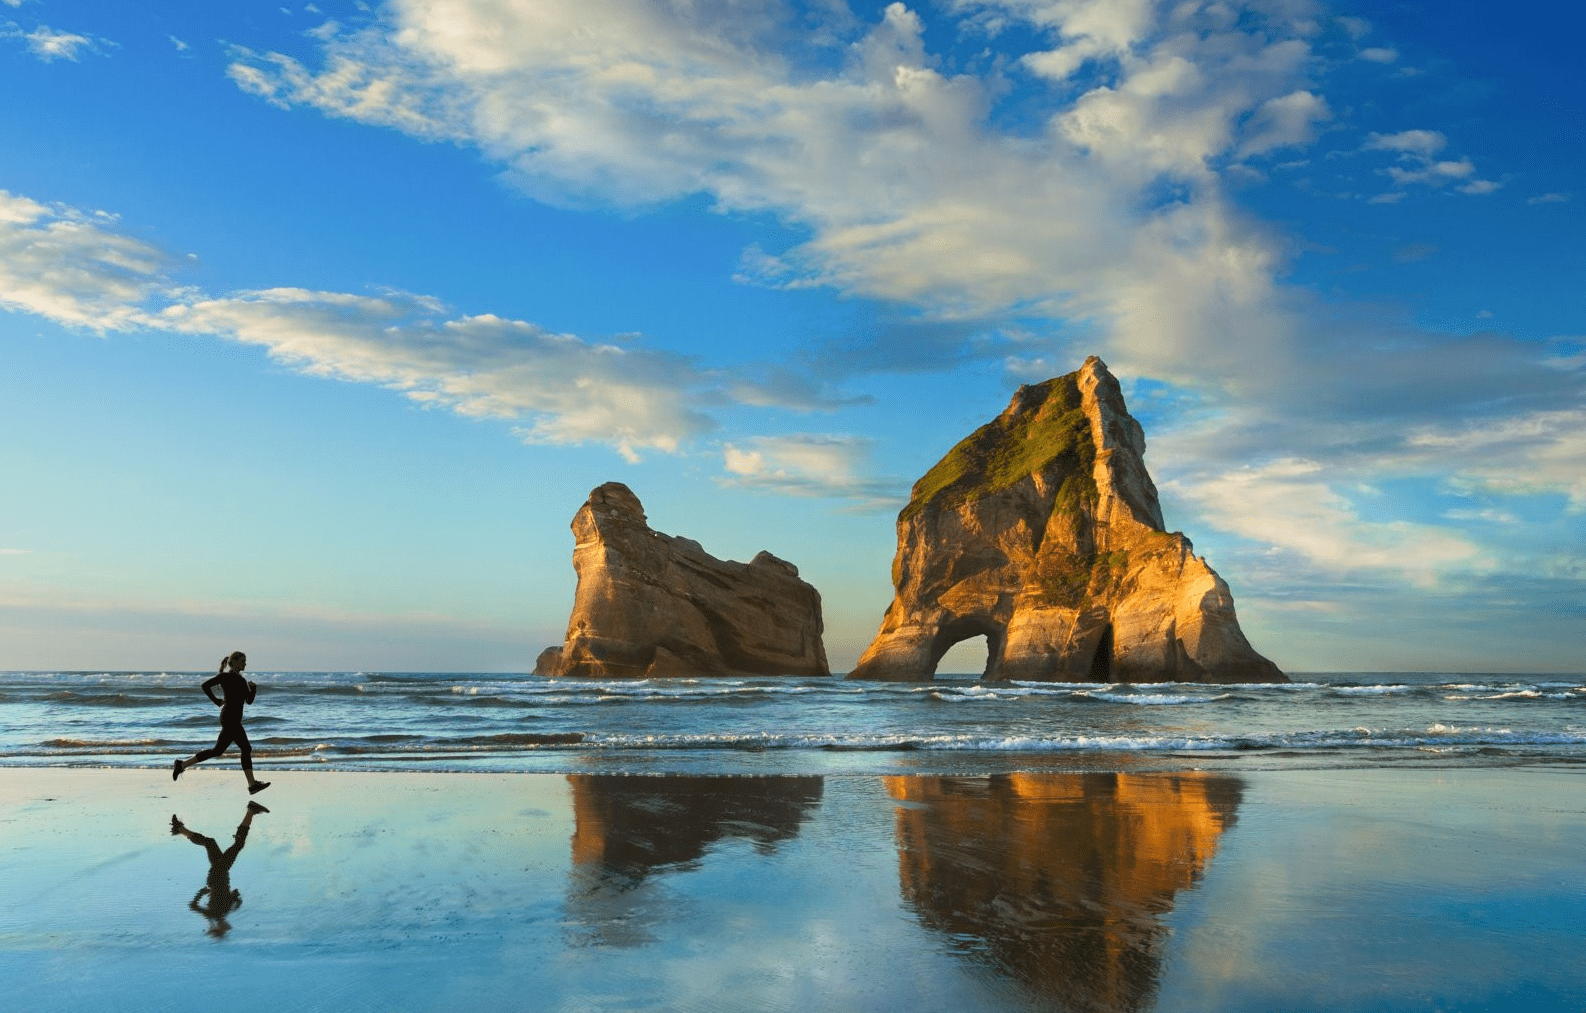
479, 722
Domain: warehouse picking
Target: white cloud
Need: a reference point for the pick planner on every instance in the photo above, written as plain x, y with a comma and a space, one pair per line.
892, 165
1432, 172
1417, 150
1541, 452
1284, 122
480, 366
1356, 27
1487, 514
1377, 424
1386, 198
1421, 143
1290, 505
1111, 216
822, 465
1548, 198
70, 267
181, 47
1379, 54
48, 44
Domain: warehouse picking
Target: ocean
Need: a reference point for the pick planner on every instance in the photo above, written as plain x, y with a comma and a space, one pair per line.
364, 721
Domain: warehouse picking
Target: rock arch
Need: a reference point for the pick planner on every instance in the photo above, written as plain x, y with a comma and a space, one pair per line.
1043, 528
959, 629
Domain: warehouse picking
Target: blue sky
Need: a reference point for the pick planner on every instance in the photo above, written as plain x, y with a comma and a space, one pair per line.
320, 321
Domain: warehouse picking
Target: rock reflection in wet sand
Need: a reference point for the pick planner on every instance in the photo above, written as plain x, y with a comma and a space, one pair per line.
1059, 881
627, 827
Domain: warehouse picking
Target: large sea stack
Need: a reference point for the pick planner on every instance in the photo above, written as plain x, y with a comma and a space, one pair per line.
651, 605
1041, 531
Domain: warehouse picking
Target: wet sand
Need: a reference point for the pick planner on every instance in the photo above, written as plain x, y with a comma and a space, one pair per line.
1297, 890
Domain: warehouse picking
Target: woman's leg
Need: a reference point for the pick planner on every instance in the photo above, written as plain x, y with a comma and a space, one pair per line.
223, 741
254, 784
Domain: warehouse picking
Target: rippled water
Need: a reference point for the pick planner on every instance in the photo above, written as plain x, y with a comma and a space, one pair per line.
373, 721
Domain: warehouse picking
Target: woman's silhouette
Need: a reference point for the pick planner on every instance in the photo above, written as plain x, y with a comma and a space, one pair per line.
237, 692
222, 898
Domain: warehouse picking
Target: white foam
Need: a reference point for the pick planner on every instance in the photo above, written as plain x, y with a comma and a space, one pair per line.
1157, 700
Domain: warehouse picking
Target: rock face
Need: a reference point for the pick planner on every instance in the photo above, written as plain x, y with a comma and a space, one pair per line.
1042, 532
651, 605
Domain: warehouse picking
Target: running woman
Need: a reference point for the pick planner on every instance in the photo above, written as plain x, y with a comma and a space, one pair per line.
237, 692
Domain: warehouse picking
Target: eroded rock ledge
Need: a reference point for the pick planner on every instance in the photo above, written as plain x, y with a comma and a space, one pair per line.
650, 604
1042, 532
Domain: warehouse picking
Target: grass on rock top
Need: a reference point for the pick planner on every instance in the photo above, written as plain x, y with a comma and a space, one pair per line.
1051, 425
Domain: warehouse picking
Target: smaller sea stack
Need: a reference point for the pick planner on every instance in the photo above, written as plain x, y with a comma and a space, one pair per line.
650, 604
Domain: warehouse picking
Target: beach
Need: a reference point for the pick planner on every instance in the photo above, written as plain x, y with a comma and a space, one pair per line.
1454, 888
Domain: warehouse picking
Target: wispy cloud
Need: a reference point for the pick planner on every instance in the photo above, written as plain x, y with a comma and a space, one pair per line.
72, 267
49, 45
819, 465
75, 268
1290, 505
484, 366
1488, 514
1536, 452
1422, 144
1417, 152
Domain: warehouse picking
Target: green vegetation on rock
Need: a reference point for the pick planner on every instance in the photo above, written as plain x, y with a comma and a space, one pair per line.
1048, 425
1075, 580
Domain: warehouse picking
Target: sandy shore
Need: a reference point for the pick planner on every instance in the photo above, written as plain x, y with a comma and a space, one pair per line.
1360, 890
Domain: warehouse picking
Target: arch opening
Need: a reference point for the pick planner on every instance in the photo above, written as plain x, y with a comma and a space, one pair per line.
968, 657
960, 631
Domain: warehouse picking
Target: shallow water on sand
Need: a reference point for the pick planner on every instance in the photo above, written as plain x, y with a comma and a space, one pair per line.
1339, 889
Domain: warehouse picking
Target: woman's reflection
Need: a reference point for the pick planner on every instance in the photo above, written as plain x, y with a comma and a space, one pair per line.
1059, 881
222, 898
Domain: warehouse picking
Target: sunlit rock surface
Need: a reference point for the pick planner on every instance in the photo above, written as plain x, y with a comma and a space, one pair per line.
1041, 531
650, 604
